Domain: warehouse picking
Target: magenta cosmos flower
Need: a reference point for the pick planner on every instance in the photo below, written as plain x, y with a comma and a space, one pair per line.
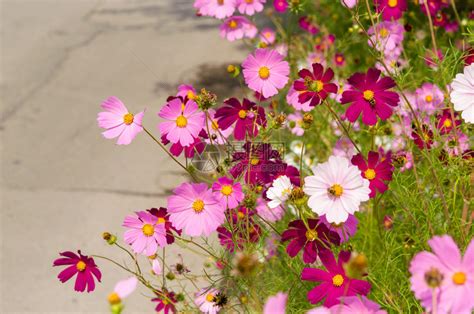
391, 9
446, 123
227, 192
444, 276
250, 7
265, 72
183, 121
164, 218
334, 282
369, 95
246, 116
216, 8
280, 5
377, 169
194, 209
314, 86
118, 121
83, 266
312, 239
145, 233
237, 27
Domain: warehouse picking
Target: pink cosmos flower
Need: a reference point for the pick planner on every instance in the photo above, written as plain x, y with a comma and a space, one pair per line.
145, 233
276, 304
377, 169
83, 266
216, 8
118, 121
194, 209
293, 99
267, 213
206, 300
183, 121
267, 36
280, 5
228, 192
429, 98
176, 149
345, 230
403, 159
216, 135
349, 3
369, 95
122, 290
295, 121
316, 57
250, 7
186, 91
456, 144
356, 305
237, 27
386, 36
344, 148
265, 72
391, 9
156, 267
444, 276
334, 282
246, 116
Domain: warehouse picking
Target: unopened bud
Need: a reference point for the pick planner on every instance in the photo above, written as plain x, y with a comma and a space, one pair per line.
280, 119
231, 68
110, 238
170, 276
308, 119
180, 297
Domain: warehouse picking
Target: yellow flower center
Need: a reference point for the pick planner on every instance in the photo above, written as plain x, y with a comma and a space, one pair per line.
160, 220
240, 215
215, 125
165, 302
254, 161
459, 278
233, 24
383, 32
392, 3
191, 95
339, 59
210, 297
337, 280
242, 114
226, 190
369, 174
128, 118
198, 206
336, 190
81, 266
447, 123
317, 85
181, 122
113, 298
148, 230
311, 234
264, 72
429, 98
368, 95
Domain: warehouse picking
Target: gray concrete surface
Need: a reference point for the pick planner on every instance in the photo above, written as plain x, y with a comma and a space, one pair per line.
62, 184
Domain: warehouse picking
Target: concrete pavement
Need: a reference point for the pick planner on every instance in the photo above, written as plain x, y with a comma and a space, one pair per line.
62, 184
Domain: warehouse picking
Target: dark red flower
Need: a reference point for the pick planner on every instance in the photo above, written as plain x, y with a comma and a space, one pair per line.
83, 266
311, 239
258, 163
423, 138
306, 24
315, 86
333, 283
339, 59
369, 96
163, 217
446, 123
246, 116
377, 169
166, 302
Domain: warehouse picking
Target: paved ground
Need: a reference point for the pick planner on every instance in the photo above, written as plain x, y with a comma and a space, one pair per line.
61, 183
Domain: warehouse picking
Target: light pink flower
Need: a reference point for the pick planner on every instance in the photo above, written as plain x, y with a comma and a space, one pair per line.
215, 132
265, 72
183, 122
386, 35
237, 27
267, 35
349, 3
250, 7
227, 192
185, 90
292, 99
156, 267
295, 122
276, 304
123, 289
194, 209
145, 233
316, 57
344, 148
118, 121
429, 98
216, 8
267, 213
205, 300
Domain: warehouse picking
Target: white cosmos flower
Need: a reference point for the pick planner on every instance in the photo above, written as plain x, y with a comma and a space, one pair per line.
336, 189
279, 191
462, 94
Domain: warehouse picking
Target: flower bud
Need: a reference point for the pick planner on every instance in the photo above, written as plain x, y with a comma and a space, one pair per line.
308, 119
170, 276
180, 297
110, 238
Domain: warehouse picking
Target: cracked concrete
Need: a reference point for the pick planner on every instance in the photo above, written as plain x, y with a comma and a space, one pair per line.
62, 184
